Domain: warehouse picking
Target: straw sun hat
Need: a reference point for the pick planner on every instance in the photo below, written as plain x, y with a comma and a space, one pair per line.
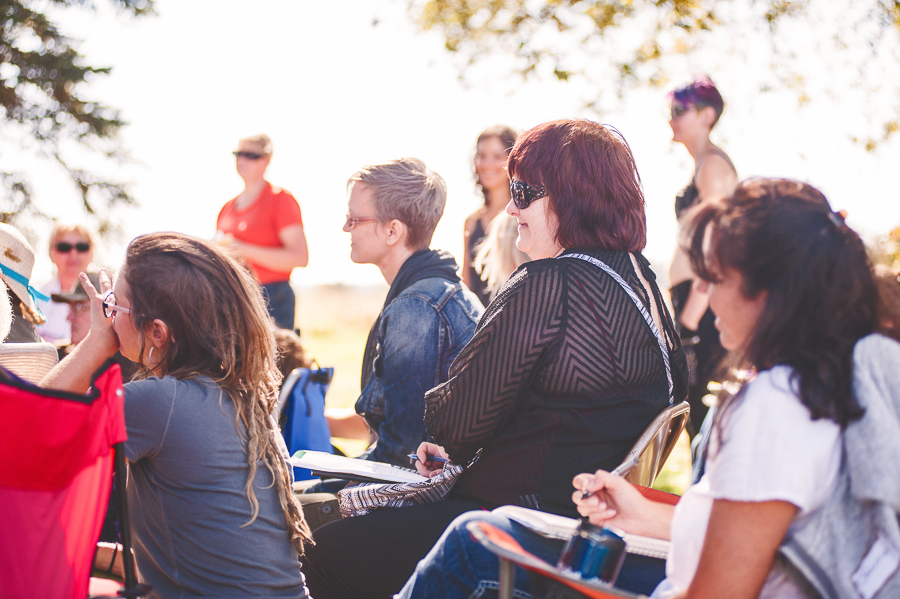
30, 361
16, 262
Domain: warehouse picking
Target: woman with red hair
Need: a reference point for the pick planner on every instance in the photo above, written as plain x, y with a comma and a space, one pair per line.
569, 364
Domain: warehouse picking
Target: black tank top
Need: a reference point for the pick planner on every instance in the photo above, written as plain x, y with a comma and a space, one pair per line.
689, 196
479, 286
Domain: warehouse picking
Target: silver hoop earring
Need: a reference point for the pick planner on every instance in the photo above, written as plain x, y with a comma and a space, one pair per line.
150, 355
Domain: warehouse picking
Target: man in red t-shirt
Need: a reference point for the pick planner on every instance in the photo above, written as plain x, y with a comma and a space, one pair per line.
265, 227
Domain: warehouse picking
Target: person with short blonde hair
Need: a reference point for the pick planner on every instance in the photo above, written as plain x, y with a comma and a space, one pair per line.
263, 226
428, 316
406, 190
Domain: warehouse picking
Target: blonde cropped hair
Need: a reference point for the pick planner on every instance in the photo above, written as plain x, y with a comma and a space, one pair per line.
260, 139
60, 229
407, 190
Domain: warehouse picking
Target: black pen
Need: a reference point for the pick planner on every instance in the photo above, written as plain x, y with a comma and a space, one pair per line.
431, 458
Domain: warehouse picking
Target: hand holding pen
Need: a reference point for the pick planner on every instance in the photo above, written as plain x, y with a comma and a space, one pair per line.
430, 459
606, 499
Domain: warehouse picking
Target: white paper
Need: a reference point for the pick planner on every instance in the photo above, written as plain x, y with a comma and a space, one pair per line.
319, 461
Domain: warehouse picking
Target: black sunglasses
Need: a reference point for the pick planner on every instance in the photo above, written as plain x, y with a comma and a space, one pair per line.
248, 155
679, 109
64, 247
524, 194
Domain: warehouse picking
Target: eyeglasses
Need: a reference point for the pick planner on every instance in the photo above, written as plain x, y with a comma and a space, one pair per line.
64, 247
524, 194
679, 109
352, 221
248, 155
110, 308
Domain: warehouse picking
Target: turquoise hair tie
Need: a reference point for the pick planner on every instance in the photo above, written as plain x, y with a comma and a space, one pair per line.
18, 278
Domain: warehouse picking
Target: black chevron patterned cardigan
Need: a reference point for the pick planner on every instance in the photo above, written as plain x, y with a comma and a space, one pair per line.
562, 376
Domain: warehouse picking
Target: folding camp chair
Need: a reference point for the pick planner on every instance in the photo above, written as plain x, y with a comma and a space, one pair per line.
58, 452
648, 456
511, 554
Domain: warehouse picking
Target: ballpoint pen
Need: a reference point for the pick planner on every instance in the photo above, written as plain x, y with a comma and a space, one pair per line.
432, 458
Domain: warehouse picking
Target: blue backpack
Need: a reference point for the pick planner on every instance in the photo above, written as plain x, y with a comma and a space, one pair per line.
302, 409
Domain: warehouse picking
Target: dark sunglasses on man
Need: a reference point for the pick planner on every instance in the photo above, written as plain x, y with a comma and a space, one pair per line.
524, 194
248, 155
64, 247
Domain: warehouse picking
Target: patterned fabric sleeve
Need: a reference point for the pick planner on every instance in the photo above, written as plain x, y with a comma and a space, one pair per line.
488, 379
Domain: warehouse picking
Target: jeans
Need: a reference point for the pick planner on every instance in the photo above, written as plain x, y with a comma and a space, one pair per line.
459, 567
281, 302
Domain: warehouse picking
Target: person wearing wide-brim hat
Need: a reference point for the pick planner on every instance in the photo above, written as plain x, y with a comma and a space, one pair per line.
16, 263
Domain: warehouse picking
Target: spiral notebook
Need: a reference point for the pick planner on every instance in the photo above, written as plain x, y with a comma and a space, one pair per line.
326, 465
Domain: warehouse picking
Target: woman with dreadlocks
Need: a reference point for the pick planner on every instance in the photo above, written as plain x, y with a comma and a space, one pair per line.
210, 489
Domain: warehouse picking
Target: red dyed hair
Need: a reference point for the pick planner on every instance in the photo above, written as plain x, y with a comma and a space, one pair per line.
594, 187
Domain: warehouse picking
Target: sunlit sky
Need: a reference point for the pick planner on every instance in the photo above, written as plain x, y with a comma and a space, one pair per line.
342, 84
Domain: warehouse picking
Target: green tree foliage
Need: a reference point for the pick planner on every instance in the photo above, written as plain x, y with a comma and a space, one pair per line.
615, 45
886, 249
46, 111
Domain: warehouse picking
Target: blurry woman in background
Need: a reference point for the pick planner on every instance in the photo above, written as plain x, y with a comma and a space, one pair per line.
497, 256
696, 109
263, 225
492, 150
71, 251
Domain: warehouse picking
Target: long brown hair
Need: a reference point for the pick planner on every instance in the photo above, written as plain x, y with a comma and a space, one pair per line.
507, 137
784, 239
218, 328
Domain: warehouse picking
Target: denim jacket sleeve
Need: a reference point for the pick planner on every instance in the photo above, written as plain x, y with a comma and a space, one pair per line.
407, 364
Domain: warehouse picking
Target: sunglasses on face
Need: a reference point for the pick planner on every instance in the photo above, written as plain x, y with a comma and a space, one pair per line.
110, 308
64, 247
524, 194
679, 110
248, 155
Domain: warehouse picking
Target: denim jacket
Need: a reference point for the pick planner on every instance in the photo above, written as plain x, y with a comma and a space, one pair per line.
420, 334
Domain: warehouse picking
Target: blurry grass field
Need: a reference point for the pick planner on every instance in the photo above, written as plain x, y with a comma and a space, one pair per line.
334, 321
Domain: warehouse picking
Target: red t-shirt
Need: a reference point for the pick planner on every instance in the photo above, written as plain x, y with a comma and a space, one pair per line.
260, 223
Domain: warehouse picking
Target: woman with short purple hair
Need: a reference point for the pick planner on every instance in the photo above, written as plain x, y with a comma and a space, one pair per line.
696, 108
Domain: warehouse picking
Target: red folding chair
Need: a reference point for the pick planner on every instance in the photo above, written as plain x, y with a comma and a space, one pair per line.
512, 554
58, 452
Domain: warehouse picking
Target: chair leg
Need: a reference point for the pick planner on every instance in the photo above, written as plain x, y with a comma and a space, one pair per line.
507, 579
